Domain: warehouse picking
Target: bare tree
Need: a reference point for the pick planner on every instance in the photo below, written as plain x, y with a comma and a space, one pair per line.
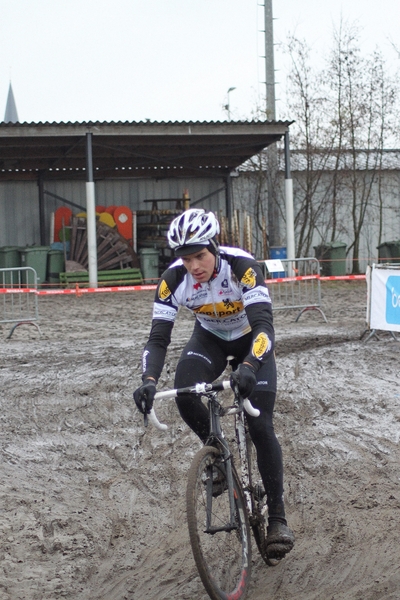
313, 140
363, 102
343, 116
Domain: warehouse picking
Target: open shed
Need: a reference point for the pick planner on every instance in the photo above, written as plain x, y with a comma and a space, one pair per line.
49, 156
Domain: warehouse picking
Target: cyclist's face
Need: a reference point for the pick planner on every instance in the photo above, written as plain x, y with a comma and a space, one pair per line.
200, 265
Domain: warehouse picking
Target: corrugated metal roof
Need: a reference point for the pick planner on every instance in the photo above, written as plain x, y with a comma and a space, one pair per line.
133, 149
148, 122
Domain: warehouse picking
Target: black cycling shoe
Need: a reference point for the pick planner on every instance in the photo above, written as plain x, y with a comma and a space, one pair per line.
280, 540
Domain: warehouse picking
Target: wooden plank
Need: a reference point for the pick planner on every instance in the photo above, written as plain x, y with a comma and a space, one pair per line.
116, 277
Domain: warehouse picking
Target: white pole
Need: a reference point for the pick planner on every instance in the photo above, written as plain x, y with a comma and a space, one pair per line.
290, 240
290, 250
269, 62
274, 229
91, 214
52, 228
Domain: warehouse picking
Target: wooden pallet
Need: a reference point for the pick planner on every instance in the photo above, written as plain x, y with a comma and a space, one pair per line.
116, 277
113, 250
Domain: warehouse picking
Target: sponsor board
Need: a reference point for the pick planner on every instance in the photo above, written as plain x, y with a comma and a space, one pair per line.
384, 302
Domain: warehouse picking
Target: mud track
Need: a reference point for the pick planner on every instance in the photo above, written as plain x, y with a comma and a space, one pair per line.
92, 503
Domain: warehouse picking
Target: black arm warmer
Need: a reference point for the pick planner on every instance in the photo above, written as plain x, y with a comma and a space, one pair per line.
156, 348
261, 320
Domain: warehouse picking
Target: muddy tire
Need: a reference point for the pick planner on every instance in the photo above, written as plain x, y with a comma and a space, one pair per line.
221, 550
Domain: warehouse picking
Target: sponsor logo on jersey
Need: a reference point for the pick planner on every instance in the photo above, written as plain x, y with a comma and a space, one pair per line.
144, 360
197, 297
261, 345
163, 291
197, 286
249, 278
225, 308
228, 303
225, 283
224, 322
191, 353
258, 295
161, 311
224, 292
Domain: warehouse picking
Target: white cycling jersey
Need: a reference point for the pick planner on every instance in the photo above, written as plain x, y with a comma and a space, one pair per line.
219, 305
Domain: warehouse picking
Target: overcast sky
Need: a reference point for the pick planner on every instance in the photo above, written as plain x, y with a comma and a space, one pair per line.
163, 60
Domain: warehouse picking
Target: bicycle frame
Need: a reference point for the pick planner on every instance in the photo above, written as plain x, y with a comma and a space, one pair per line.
216, 411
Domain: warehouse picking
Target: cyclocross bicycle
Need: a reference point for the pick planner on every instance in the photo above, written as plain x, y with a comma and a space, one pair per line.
223, 506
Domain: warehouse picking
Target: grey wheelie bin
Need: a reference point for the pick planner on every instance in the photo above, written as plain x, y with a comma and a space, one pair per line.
36, 258
332, 257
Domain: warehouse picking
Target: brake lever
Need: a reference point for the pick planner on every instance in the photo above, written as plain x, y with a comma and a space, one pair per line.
238, 397
244, 403
145, 415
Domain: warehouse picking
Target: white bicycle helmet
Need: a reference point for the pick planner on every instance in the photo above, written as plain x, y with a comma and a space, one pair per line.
193, 230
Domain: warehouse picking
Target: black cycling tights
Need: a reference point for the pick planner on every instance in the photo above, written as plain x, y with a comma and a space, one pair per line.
269, 455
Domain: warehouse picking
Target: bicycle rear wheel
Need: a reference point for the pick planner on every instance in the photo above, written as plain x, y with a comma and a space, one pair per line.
221, 549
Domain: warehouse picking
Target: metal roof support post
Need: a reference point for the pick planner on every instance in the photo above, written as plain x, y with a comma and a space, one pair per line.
41, 211
91, 214
290, 243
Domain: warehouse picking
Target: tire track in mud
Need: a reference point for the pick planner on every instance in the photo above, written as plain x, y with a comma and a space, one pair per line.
303, 342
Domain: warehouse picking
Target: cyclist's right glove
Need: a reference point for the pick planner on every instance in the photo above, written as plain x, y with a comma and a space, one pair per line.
144, 396
245, 379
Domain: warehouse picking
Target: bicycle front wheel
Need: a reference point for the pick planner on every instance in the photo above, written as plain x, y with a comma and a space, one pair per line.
219, 536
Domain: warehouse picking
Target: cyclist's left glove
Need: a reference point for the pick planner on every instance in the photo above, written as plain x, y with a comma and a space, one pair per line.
144, 396
245, 379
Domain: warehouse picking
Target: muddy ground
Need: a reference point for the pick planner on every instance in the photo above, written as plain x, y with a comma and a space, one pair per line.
92, 504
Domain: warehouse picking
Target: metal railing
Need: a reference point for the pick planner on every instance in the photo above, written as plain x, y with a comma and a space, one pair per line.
297, 286
18, 297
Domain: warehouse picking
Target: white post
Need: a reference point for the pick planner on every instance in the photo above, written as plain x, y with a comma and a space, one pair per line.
91, 214
52, 228
290, 241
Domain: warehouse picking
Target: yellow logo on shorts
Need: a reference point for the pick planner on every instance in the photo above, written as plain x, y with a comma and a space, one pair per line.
261, 345
249, 278
163, 291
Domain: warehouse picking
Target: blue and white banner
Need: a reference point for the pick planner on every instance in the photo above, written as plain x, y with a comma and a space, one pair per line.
384, 309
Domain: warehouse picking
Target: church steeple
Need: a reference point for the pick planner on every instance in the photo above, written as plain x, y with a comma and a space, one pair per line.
11, 115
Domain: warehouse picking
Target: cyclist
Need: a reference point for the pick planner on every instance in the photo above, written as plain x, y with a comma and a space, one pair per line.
225, 289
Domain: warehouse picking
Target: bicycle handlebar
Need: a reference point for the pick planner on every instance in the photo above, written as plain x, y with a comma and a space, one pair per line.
199, 388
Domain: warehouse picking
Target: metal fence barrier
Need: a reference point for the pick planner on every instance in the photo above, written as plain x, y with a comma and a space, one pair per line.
18, 287
298, 286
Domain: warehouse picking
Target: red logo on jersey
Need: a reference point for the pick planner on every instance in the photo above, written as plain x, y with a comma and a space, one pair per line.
197, 286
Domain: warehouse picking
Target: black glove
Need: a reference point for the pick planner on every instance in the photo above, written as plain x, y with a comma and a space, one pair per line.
245, 380
144, 396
